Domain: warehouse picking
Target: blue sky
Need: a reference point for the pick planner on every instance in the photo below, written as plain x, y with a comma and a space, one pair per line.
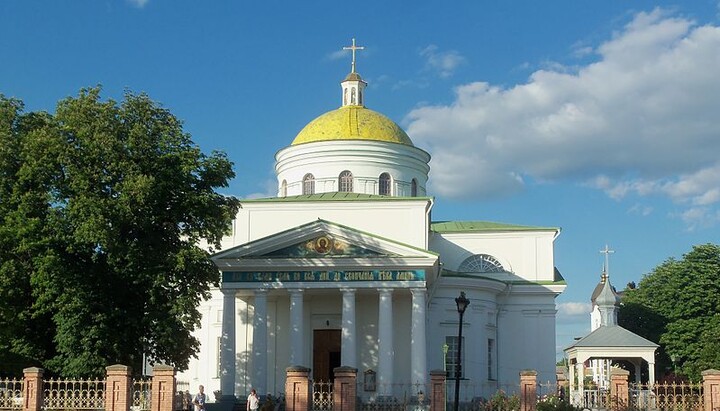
597, 117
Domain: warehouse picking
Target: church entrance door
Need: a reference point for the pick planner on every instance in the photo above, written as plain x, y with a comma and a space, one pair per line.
326, 354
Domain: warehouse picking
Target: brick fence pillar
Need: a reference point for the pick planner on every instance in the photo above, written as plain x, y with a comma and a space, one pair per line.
163, 388
33, 392
297, 389
619, 396
711, 390
118, 388
437, 390
528, 390
344, 389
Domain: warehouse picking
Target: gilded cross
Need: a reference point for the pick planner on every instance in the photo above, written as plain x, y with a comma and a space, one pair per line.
353, 48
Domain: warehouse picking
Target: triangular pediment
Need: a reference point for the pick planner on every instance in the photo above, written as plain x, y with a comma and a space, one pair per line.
322, 240
325, 245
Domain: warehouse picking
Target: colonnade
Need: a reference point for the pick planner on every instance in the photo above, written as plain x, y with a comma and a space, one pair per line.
349, 338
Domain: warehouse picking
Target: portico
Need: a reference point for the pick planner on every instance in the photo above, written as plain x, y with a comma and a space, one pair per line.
360, 289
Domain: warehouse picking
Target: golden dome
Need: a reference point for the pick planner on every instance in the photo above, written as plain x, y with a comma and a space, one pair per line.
352, 123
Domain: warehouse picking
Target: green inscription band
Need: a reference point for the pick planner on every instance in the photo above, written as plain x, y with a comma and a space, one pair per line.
322, 276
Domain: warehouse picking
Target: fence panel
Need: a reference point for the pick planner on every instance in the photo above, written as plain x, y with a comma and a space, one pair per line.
322, 396
667, 397
393, 397
11, 394
141, 395
88, 395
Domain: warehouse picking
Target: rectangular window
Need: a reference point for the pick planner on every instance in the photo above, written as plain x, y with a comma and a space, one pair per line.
490, 357
451, 357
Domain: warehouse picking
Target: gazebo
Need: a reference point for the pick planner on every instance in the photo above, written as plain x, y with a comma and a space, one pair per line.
609, 342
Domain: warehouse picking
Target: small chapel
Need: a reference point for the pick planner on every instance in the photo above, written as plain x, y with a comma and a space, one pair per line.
346, 267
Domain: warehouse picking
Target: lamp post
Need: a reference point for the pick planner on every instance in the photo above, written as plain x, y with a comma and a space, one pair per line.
445, 348
462, 303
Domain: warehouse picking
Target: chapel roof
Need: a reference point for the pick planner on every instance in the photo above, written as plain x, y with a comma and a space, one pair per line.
612, 336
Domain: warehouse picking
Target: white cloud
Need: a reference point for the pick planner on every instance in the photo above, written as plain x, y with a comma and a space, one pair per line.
338, 54
642, 119
138, 3
443, 63
574, 309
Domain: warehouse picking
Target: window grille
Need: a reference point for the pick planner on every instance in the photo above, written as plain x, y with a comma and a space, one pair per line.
385, 185
309, 184
451, 357
345, 183
481, 263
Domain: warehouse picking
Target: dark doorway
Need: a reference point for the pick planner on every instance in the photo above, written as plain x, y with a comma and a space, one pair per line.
326, 354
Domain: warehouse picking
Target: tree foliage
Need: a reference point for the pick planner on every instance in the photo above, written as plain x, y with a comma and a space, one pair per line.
102, 207
678, 305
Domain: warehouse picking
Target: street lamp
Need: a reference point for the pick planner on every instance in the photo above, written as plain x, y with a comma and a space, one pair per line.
462, 303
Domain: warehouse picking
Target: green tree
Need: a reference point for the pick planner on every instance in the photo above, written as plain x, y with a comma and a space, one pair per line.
104, 205
678, 305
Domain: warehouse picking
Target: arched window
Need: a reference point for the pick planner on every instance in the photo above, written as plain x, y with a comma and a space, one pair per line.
345, 182
385, 188
413, 188
283, 188
352, 96
481, 263
308, 184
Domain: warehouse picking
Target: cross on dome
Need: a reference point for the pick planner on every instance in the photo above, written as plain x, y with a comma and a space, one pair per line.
353, 48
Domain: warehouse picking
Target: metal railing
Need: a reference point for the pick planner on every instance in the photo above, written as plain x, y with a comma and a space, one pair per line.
74, 395
11, 394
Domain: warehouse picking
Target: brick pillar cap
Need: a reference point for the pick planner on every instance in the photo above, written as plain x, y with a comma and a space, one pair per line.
528, 373
33, 370
344, 368
297, 368
710, 372
619, 371
438, 372
118, 367
163, 368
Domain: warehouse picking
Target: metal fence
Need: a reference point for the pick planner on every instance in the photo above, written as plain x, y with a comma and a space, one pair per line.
86, 395
656, 397
392, 397
11, 394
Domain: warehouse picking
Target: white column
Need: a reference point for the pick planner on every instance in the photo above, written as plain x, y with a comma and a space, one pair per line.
385, 342
259, 347
651, 374
580, 366
227, 345
348, 350
572, 389
418, 348
297, 335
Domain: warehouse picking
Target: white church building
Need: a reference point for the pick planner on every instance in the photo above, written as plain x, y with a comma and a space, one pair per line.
345, 267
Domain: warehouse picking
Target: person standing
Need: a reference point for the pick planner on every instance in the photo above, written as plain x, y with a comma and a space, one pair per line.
200, 398
253, 402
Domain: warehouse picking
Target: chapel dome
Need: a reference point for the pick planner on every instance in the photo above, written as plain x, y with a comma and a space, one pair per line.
352, 122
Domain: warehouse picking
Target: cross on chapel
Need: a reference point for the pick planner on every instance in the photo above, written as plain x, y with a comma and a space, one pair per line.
353, 48
607, 251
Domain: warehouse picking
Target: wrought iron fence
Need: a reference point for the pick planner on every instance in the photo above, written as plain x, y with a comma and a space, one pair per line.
11, 394
141, 394
86, 395
322, 396
393, 397
667, 397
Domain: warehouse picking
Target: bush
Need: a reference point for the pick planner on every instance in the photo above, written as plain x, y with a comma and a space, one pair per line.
555, 403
